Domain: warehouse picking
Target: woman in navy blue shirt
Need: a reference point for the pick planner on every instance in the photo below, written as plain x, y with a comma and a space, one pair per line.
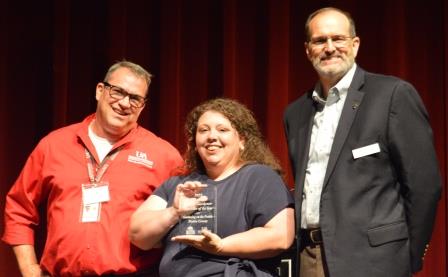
252, 209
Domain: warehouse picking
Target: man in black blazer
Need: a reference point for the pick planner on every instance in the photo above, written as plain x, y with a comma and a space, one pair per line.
365, 168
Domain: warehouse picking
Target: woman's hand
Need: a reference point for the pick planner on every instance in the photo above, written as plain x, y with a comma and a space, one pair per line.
207, 242
188, 197
276, 236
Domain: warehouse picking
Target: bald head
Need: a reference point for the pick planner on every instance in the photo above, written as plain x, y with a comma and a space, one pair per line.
330, 10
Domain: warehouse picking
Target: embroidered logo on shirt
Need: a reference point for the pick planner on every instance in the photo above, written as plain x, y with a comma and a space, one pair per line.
140, 158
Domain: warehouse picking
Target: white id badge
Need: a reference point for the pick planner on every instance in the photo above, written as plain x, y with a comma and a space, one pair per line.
95, 193
92, 197
91, 212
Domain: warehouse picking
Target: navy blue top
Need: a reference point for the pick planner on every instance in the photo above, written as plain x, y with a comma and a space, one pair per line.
248, 198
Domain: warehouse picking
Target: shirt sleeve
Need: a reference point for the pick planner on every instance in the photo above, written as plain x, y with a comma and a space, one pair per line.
267, 196
415, 160
166, 190
174, 161
23, 199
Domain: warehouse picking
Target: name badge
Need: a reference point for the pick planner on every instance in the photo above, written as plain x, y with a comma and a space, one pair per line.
366, 150
95, 193
91, 212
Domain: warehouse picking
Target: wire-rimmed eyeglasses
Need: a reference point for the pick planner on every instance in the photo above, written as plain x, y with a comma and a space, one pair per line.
338, 41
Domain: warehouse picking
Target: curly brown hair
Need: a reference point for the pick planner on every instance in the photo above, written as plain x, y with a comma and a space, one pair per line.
242, 119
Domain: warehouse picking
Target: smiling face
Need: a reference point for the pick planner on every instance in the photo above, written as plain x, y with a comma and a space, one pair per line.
115, 118
331, 58
218, 144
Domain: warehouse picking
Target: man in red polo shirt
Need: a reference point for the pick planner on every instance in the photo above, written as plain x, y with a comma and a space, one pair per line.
93, 174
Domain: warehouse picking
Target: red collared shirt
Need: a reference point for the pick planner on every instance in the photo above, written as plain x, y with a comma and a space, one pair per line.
56, 169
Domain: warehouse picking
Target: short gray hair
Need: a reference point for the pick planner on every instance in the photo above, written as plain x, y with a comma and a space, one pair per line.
134, 68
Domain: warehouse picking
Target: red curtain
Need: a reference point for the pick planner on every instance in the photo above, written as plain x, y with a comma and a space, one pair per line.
52, 54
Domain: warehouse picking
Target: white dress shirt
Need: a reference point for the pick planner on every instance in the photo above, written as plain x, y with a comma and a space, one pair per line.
325, 124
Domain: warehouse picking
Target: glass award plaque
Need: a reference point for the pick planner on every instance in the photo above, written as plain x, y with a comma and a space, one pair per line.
204, 217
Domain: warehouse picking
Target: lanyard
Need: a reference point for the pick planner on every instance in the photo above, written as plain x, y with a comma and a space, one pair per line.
102, 167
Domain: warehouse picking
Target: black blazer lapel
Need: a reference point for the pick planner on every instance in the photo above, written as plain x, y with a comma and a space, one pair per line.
351, 105
303, 137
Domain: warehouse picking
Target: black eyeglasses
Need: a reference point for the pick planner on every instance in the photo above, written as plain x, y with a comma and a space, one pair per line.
339, 41
118, 93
